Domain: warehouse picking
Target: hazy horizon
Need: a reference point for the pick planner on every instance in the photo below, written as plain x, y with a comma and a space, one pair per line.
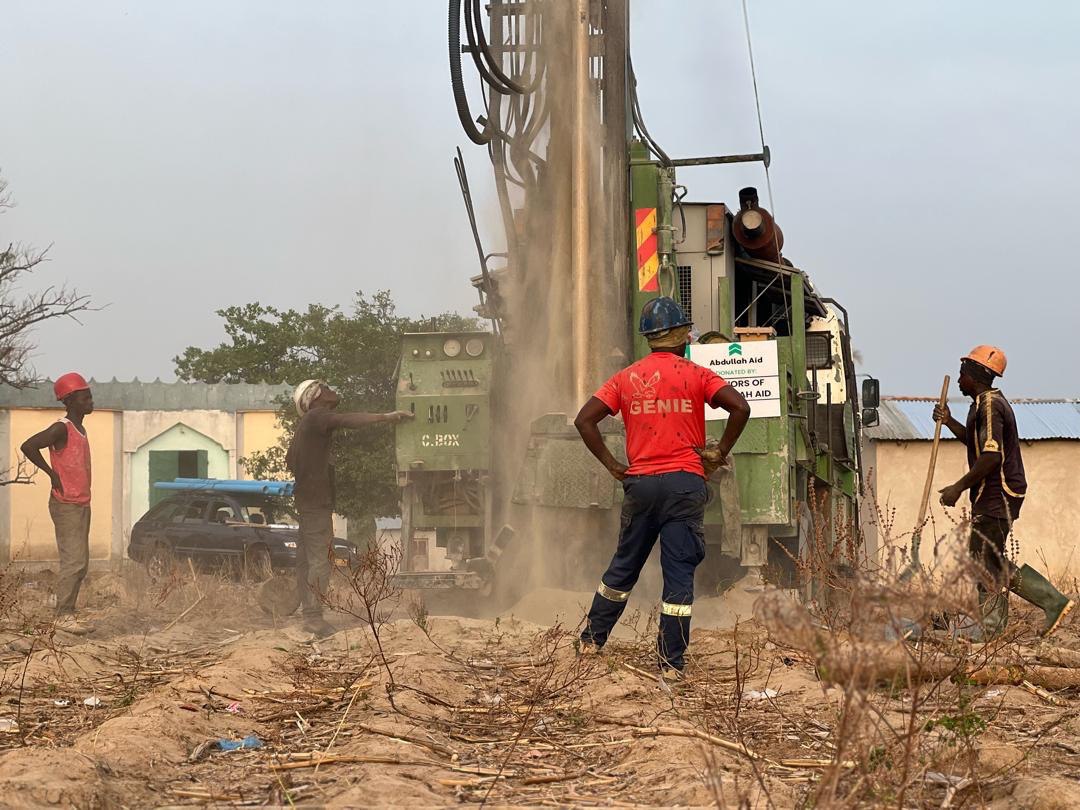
184, 158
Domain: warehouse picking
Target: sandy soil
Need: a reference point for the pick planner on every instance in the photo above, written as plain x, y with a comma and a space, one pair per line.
434, 711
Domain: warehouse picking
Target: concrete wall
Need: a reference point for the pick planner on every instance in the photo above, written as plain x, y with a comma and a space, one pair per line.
142, 427
120, 443
1049, 524
177, 437
256, 432
28, 527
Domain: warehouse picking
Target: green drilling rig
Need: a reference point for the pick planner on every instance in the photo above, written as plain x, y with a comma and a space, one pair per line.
595, 223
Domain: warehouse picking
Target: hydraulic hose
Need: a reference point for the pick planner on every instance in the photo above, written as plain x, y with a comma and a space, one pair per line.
639, 119
489, 78
461, 101
489, 57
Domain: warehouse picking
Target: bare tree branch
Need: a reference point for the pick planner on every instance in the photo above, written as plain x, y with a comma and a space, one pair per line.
23, 473
21, 312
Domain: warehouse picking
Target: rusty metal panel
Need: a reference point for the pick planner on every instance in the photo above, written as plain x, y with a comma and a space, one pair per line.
562, 472
715, 227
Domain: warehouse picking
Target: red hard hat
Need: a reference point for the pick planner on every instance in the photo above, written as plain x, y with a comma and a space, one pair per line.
68, 384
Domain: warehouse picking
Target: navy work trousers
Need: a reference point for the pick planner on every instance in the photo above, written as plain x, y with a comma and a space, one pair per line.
670, 506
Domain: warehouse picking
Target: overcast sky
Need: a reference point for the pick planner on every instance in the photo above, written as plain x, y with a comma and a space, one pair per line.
182, 157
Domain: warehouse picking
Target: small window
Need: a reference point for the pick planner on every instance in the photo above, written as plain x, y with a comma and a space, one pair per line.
224, 512
819, 350
685, 292
164, 511
194, 513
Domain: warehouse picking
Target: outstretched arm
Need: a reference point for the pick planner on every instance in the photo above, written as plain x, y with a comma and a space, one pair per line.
738, 410
52, 436
356, 420
592, 413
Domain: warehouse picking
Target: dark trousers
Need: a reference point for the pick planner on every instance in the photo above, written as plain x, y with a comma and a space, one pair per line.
670, 506
313, 550
72, 524
986, 545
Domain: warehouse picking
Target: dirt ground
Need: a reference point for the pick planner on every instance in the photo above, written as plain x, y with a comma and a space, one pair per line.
425, 711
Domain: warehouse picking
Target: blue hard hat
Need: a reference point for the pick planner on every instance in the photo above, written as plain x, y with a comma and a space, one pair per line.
661, 314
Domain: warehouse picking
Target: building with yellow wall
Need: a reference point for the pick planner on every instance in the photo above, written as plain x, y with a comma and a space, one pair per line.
896, 456
139, 433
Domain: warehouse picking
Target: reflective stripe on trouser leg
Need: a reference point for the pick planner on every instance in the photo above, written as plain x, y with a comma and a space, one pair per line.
607, 606
674, 633
669, 609
611, 593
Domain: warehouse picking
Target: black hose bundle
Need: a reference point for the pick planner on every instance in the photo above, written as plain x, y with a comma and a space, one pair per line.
457, 83
488, 65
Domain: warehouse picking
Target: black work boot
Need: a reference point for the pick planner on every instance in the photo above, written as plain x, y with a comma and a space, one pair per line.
1033, 587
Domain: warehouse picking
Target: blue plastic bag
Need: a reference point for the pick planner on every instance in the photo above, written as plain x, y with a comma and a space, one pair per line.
250, 741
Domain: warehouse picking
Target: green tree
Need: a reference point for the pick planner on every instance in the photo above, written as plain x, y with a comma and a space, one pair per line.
355, 352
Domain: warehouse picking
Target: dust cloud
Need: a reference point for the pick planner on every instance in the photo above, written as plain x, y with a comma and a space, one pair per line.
565, 294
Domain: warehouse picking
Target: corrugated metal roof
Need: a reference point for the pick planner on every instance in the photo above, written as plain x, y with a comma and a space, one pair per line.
909, 419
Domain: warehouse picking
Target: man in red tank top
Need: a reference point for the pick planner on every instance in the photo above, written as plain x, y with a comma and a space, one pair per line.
69, 500
662, 399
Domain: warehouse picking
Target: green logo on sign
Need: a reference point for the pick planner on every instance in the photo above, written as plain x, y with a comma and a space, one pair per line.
734, 349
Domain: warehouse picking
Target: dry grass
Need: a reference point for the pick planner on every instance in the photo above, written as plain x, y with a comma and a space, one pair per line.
849, 700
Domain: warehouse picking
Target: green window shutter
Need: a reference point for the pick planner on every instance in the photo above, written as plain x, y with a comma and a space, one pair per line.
203, 463
164, 466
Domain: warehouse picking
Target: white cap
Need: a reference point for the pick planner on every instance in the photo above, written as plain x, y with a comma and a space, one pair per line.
305, 394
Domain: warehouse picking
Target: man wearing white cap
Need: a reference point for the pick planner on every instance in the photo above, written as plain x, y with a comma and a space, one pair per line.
309, 460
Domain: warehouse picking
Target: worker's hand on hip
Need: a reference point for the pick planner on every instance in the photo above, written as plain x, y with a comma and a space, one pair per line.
951, 494
618, 470
57, 484
713, 457
942, 414
397, 417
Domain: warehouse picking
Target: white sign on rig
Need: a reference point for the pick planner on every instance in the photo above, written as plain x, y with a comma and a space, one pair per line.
750, 367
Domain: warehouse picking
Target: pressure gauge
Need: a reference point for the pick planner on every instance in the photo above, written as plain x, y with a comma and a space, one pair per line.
452, 348
474, 348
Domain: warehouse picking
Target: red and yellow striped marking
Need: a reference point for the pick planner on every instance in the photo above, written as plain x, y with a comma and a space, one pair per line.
648, 262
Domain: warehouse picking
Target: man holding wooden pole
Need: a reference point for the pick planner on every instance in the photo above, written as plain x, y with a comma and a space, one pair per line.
997, 486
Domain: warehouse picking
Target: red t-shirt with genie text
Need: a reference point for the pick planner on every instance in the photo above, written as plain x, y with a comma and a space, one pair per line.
662, 400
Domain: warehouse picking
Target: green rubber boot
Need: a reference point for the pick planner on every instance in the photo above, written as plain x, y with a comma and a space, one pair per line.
994, 608
991, 619
1033, 587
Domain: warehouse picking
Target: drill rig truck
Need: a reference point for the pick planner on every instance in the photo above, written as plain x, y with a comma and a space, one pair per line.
595, 224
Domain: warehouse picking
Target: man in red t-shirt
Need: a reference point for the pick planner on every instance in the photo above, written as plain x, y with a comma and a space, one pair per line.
662, 400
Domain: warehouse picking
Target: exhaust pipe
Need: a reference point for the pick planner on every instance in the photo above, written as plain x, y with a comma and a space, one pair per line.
756, 230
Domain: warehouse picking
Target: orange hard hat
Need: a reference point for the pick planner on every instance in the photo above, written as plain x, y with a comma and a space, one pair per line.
989, 357
68, 384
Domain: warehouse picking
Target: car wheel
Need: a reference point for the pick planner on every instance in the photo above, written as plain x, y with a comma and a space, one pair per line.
161, 562
257, 565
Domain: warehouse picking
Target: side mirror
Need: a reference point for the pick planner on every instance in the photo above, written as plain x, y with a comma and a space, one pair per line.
871, 393
870, 417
